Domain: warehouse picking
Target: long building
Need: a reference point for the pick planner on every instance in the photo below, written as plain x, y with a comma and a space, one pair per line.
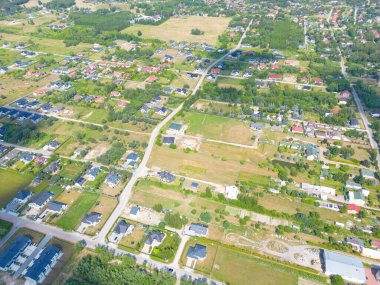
350, 268
13, 251
42, 266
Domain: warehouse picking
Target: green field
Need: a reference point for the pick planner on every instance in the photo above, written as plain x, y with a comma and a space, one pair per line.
218, 128
77, 210
238, 269
11, 182
5, 227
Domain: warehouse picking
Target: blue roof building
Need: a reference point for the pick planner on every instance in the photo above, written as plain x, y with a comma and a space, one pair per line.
43, 264
14, 250
349, 267
197, 252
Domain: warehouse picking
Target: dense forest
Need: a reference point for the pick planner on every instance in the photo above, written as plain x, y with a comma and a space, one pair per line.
100, 270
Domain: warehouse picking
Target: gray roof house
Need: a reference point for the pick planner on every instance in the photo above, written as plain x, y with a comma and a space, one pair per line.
112, 179
41, 199
52, 167
122, 229
13, 250
26, 157
92, 173
134, 210
56, 207
197, 252
355, 243
166, 176
195, 229
20, 199
92, 218
23, 195
367, 174
168, 140
349, 267
154, 238
257, 126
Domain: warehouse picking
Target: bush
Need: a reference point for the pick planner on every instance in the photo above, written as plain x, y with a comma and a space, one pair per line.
205, 217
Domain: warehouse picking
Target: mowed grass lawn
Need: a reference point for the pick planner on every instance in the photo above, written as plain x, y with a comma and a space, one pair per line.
238, 268
11, 182
70, 220
179, 29
218, 128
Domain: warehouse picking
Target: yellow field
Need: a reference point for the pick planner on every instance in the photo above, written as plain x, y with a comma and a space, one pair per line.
179, 29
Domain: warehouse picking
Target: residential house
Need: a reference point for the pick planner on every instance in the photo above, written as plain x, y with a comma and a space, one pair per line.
92, 173
353, 185
134, 210
354, 123
367, 174
56, 207
154, 238
257, 126
41, 200
52, 167
197, 252
168, 140
174, 128
166, 176
353, 209
356, 197
91, 219
356, 243
112, 179
26, 157
51, 145
196, 229
122, 229
162, 111
231, 192
19, 200
297, 129
80, 182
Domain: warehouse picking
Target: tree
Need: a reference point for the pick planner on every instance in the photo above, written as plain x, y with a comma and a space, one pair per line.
205, 217
139, 33
337, 280
158, 208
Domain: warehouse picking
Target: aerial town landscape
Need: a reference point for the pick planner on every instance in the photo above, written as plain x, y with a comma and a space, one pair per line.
189, 142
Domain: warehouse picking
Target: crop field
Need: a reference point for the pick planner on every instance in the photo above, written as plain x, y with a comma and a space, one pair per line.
218, 128
179, 29
11, 182
77, 210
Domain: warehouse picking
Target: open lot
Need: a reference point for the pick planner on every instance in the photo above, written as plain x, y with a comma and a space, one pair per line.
236, 268
132, 241
11, 182
77, 210
218, 128
179, 29
213, 162
104, 206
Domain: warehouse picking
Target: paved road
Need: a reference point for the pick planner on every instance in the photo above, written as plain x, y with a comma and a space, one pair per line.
359, 105
28, 149
142, 170
75, 237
